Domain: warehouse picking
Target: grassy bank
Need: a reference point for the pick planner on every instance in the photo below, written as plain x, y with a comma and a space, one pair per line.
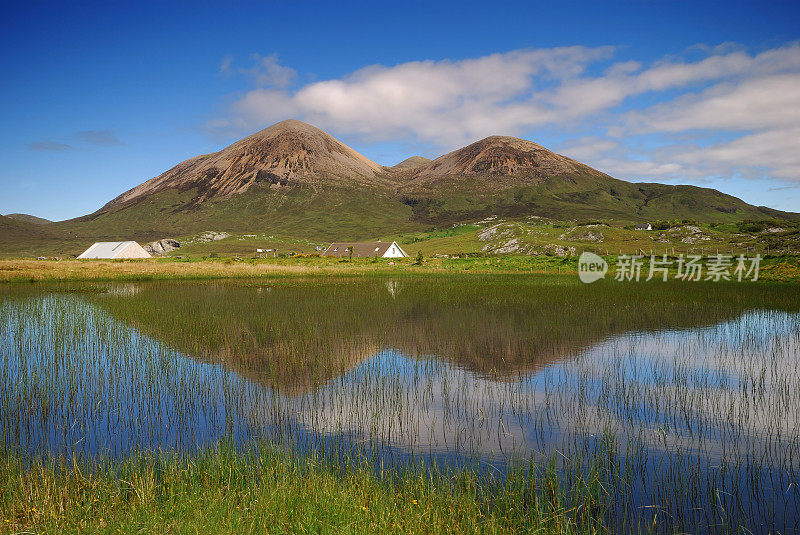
266, 490
166, 269
782, 268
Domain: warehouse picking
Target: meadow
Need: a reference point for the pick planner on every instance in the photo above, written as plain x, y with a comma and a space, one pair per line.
420, 403
772, 267
491, 236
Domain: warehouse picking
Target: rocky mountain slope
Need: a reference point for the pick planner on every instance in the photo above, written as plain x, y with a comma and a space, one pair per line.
513, 177
503, 158
288, 153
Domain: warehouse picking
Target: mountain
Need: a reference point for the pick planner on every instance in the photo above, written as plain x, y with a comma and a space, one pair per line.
290, 178
412, 162
295, 180
18, 237
513, 177
504, 158
29, 218
288, 153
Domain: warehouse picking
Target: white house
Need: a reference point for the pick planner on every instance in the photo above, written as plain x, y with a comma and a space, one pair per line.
365, 250
643, 226
115, 250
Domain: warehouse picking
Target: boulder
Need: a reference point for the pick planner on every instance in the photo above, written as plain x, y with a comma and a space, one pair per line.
162, 247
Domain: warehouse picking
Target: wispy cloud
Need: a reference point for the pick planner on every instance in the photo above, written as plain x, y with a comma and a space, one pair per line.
265, 71
99, 138
102, 138
50, 146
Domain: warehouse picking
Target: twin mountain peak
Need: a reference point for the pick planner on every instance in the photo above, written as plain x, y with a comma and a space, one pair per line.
294, 178
294, 153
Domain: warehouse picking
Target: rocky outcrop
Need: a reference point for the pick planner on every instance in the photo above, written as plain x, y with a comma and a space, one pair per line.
559, 250
162, 247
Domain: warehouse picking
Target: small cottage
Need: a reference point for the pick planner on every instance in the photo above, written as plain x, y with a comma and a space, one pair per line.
365, 250
115, 250
643, 226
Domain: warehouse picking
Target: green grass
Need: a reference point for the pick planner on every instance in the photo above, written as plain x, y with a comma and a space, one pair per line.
266, 490
335, 213
588, 196
773, 267
29, 218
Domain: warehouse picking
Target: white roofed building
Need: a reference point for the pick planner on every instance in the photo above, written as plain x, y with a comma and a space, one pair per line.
115, 250
365, 250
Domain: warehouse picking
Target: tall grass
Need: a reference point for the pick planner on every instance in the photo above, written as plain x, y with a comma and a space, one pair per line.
263, 489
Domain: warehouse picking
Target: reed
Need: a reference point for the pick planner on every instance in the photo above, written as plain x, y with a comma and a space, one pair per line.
224, 490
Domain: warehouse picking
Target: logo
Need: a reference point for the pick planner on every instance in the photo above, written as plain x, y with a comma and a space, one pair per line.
591, 267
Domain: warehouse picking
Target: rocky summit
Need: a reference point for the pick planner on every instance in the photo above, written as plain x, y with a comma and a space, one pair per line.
288, 153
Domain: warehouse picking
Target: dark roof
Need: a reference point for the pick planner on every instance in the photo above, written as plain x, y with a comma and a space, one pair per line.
360, 249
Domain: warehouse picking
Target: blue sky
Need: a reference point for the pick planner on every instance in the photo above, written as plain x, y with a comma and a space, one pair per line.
98, 97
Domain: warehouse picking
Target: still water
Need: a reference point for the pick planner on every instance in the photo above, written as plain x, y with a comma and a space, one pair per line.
686, 395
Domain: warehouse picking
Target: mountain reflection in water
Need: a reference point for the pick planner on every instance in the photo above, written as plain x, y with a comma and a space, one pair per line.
666, 379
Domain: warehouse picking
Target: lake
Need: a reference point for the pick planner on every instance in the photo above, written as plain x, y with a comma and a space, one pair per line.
683, 399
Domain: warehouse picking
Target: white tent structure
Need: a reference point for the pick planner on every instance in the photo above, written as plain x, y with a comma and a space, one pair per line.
115, 250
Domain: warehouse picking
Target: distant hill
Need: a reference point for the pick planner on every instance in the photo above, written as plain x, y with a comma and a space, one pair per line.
412, 162
31, 239
296, 180
29, 218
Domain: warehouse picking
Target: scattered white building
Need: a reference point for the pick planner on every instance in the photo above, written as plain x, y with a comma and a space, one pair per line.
365, 250
643, 226
115, 250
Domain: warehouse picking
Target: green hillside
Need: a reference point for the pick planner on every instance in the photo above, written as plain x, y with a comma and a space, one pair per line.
459, 199
357, 213
20, 238
29, 218
364, 212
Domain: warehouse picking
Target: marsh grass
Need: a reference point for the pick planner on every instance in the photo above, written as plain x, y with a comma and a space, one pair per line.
263, 489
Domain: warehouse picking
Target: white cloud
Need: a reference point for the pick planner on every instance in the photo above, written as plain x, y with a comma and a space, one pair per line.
776, 151
265, 72
446, 102
753, 97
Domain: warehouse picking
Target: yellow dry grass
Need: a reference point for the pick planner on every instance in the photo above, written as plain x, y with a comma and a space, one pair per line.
33, 270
